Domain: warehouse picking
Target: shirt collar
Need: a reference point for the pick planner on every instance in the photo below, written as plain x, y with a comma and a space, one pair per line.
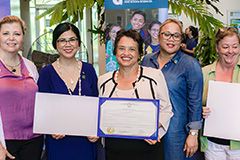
238, 63
213, 67
175, 58
214, 64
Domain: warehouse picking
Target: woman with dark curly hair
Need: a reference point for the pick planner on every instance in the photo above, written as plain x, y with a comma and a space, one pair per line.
134, 81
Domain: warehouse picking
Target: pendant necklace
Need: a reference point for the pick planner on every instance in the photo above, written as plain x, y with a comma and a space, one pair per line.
13, 68
71, 80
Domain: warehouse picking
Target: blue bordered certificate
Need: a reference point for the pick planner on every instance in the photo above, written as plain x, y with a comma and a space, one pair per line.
128, 118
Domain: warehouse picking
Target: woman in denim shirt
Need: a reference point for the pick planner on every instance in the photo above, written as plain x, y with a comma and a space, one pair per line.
185, 83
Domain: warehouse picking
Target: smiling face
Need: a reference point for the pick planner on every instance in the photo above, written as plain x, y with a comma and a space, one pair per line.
228, 50
113, 32
11, 37
154, 31
170, 44
137, 22
127, 53
68, 44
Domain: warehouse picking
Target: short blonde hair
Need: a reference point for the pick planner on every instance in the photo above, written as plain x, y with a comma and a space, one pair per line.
171, 21
13, 19
226, 31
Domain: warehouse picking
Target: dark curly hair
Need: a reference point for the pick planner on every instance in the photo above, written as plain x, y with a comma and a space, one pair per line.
130, 34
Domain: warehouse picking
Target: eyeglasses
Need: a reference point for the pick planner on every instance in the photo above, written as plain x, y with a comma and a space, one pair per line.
63, 41
168, 35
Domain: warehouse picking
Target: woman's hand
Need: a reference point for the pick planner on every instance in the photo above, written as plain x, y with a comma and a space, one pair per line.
191, 145
58, 136
183, 46
206, 112
152, 142
93, 138
4, 153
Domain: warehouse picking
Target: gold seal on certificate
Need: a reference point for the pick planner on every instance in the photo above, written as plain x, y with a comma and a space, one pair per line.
128, 118
110, 130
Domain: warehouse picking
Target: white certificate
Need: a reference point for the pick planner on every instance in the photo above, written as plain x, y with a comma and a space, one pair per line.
224, 119
65, 114
128, 118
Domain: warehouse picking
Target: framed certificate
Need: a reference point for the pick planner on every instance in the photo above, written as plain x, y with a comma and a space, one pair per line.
128, 118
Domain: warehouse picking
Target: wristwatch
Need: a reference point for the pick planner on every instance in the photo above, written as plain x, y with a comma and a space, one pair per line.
193, 133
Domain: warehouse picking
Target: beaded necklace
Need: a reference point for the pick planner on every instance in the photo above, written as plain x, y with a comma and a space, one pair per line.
71, 80
137, 78
134, 84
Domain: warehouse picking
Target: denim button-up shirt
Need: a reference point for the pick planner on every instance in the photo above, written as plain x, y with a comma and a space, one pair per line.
185, 83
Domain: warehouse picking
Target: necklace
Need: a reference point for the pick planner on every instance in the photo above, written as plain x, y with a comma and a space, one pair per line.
13, 68
137, 78
71, 80
134, 82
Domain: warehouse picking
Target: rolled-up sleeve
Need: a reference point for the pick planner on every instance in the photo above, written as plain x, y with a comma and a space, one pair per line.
194, 80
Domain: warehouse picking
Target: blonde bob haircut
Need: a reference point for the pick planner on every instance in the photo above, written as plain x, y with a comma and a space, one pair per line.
171, 21
13, 19
226, 31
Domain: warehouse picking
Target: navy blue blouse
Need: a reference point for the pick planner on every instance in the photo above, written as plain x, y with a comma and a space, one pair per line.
70, 147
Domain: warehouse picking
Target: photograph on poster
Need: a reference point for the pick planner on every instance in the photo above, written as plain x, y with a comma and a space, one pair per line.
234, 19
146, 21
123, 14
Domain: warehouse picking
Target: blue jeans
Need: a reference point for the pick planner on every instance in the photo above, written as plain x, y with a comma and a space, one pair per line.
173, 146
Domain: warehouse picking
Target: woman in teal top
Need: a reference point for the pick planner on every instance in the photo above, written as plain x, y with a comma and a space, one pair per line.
226, 69
111, 61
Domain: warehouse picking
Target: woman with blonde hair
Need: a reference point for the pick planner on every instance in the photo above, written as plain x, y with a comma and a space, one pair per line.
227, 69
18, 86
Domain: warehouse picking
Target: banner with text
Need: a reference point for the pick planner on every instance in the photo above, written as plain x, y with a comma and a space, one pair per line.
4, 8
135, 4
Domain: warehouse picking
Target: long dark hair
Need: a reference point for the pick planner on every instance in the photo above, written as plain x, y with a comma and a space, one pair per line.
194, 31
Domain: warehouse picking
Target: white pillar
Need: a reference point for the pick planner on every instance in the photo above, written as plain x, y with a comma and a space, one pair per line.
162, 14
89, 35
25, 15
